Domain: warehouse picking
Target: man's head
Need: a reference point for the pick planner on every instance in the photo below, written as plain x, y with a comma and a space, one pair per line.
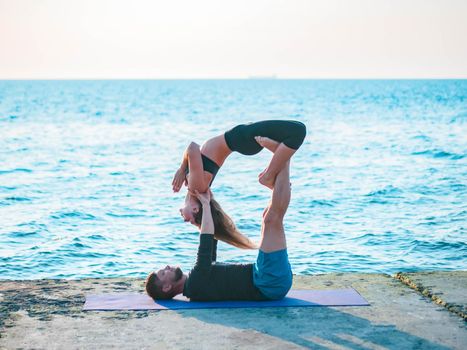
165, 283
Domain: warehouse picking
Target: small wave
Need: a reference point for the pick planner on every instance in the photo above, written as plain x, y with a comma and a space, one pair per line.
458, 118
249, 197
78, 245
17, 170
89, 255
18, 199
73, 214
457, 187
38, 226
422, 137
322, 203
377, 239
248, 225
18, 234
125, 215
437, 246
10, 117
116, 173
378, 201
97, 238
443, 219
366, 237
436, 153
459, 216
42, 252
389, 192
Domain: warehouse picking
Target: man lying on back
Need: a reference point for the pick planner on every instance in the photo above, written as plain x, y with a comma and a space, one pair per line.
269, 278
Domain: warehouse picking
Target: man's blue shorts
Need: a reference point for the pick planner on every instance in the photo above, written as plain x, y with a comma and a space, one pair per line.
272, 274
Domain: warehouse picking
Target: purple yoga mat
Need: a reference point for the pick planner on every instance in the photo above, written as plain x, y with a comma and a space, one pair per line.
335, 297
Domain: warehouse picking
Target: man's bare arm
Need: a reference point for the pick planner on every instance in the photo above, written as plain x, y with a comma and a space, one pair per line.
207, 223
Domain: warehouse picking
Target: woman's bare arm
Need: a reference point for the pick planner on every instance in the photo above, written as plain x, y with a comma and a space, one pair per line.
191, 161
180, 175
196, 178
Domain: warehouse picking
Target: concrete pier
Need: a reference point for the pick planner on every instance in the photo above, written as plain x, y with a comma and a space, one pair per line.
425, 310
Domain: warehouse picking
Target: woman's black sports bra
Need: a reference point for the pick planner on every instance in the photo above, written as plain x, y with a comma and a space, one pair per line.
208, 165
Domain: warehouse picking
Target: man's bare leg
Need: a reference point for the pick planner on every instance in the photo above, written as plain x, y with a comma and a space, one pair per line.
272, 229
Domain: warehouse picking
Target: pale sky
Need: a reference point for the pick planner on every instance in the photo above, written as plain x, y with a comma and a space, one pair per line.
185, 39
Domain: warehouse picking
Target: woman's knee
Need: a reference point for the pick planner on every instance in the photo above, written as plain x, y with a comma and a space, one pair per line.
297, 136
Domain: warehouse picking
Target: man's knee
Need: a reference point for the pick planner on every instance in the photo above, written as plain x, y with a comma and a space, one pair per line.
273, 216
279, 206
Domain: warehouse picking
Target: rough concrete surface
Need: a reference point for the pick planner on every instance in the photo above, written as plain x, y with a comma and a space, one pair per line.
46, 314
446, 288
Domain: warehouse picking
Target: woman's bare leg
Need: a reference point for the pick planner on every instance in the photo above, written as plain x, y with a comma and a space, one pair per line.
267, 143
282, 155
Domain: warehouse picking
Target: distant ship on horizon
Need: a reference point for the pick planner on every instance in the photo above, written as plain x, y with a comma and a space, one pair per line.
262, 77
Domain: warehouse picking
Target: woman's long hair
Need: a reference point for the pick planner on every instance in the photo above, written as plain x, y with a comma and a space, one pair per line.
224, 227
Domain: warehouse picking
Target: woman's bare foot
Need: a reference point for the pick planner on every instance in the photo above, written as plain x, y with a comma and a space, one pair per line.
268, 143
266, 179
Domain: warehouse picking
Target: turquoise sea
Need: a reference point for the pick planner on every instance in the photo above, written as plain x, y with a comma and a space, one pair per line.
380, 184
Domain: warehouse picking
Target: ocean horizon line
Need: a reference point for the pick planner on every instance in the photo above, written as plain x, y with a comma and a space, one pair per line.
242, 79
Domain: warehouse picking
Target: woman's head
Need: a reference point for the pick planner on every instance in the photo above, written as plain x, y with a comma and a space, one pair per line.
191, 208
224, 227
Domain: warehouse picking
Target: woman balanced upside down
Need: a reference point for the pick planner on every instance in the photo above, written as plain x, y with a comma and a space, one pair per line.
200, 165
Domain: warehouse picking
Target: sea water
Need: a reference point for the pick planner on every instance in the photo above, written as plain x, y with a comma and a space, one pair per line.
379, 185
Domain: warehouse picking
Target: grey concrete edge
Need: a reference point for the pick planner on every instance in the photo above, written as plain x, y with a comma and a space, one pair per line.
428, 293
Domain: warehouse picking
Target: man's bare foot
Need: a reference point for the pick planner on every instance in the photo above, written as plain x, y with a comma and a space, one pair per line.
268, 143
266, 180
